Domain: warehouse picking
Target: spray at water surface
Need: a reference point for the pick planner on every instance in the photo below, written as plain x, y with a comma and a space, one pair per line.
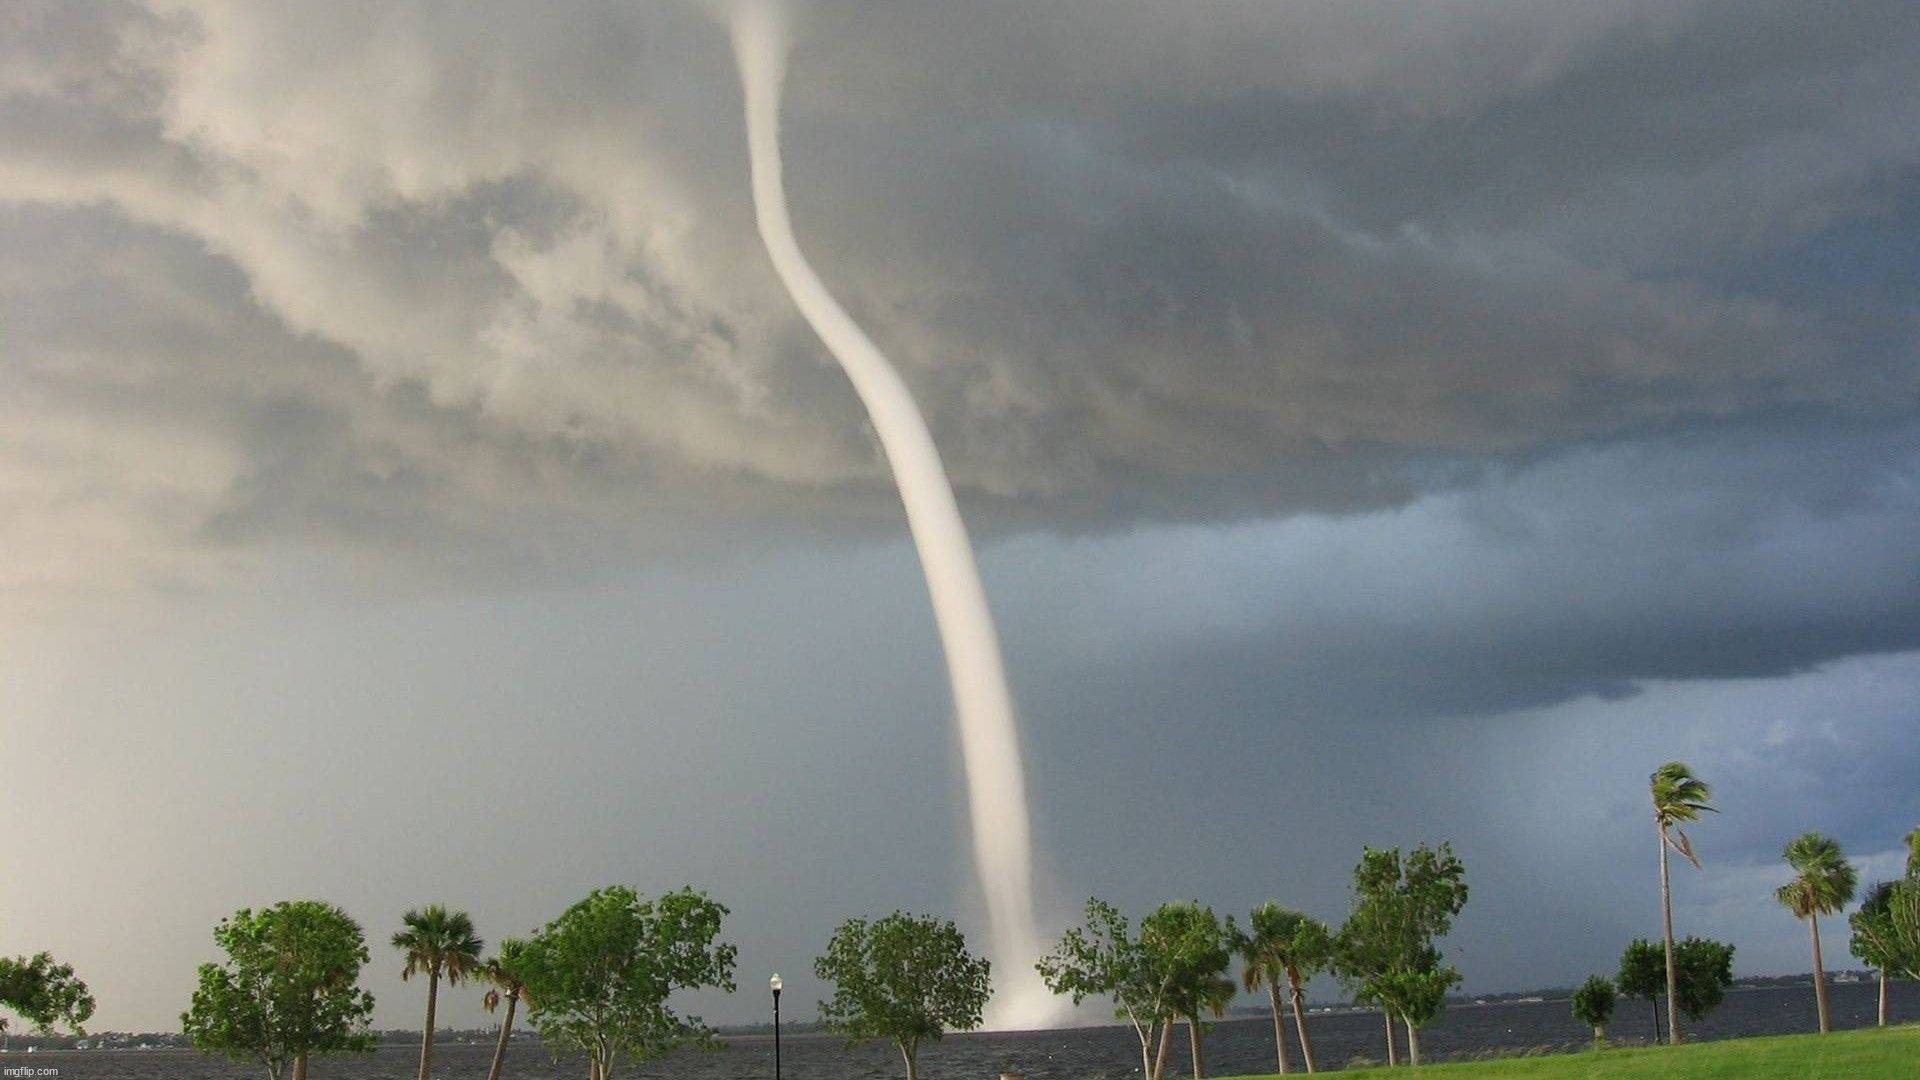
989, 740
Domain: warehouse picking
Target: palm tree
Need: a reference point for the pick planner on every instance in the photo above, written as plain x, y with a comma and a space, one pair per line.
1823, 883
1678, 796
440, 943
507, 975
1284, 944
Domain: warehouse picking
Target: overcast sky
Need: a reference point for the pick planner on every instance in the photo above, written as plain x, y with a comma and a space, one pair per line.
1379, 426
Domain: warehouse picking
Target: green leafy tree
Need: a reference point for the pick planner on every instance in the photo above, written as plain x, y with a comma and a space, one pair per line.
1872, 939
1678, 797
1896, 926
1913, 853
1593, 1006
1103, 958
44, 993
287, 991
1823, 883
1285, 945
1643, 974
907, 978
1705, 972
1195, 950
506, 977
439, 944
1385, 950
598, 978
1417, 991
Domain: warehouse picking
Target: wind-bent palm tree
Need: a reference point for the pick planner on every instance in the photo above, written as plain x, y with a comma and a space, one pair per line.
506, 973
1823, 883
1284, 944
1678, 796
439, 943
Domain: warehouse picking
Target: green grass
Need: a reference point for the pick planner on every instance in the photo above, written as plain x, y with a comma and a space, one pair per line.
1866, 1054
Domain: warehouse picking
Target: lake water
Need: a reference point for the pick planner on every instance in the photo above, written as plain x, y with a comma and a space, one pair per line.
1236, 1046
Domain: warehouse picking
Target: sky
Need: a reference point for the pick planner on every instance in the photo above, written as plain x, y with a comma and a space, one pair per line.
1378, 426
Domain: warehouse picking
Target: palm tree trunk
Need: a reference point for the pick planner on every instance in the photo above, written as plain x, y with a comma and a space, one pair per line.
1193, 1043
506, 1027
1666, 921
1300, 1019
1883, 997
426, 1037
1413, 1043
1160, 1057
1819, 972
1279, 1026
1393, 1056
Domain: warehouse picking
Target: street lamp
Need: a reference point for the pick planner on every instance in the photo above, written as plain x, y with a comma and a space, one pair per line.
774, 985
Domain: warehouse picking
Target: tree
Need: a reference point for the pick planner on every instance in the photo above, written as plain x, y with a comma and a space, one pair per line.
506, 978
438, 943
1678, 796
1704, 972
1593, 1006
1385, 949
1913, 853
598, 978
1194, 948
908, 978
43, 993
1872, 935
1102, 957
1823, 883
1889, 924
1417, 991
287, 990
1643, 974
1284, 944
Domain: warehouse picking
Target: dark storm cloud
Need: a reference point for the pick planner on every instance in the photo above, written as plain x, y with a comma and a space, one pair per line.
1138, 258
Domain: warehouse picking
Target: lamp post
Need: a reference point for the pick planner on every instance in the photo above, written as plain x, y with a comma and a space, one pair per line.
774, 985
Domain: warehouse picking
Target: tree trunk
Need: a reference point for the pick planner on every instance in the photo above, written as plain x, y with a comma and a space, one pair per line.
1300, 1019
1393, 1056
1599, 1036
907, 1050
1819, 972
1146, 1051
1279, 1026
300, 1066
1193, 1043
1413, 1043
506, 1028
1160, 1057
1666, 922
1883, 997
426, 1036
1655, 1002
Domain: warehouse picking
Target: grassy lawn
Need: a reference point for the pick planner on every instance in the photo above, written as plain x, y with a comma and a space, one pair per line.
1865, 1054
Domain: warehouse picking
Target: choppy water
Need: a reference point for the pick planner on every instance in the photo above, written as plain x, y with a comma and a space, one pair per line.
1237, 1046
